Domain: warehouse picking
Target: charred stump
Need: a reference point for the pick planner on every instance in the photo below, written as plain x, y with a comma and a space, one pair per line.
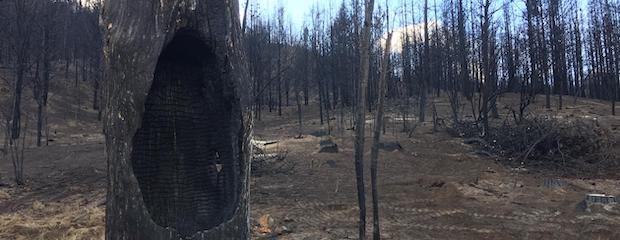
176, 129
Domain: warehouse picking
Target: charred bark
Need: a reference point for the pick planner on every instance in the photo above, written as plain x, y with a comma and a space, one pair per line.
176, 125
360, 115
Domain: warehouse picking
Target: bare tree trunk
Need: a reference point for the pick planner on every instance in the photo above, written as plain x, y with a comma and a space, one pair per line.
532, 11
245, 16
37, 94
462, 53
427, 67
15, 130
306, 93
76, 93
7, 134
16, 150
376, 143
578, 57
360, 121
279, 69
487, 48
610, 38
21, 45
321, 100
299, 113
270, 100
182, 107
39, 124
42, 83
17, 99
298, 87
558, 48
47, 129
543, 56
96, 95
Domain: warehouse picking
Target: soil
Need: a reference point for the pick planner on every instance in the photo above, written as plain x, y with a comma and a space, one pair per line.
435, 187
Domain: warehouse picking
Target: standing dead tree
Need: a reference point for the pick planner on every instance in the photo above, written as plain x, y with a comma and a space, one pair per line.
177, 138
610, 38
21, 37
376, 138
485, 88
427, 67
558, 50
360, 120
303, 77
48, 23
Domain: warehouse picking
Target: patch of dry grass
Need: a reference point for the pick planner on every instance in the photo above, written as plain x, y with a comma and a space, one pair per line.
64, 220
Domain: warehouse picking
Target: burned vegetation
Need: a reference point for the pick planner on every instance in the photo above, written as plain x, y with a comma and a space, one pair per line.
183, 159
574, 148
177, 140
142, 119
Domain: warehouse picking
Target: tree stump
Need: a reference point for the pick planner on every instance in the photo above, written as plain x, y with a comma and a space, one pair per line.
177, 132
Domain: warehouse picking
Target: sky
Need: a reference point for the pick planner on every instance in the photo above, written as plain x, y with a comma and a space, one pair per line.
298, 11
295, 9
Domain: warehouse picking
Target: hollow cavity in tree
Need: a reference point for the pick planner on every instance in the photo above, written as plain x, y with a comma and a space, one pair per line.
185, 154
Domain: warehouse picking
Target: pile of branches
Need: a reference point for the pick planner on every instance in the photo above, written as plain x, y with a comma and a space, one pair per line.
573, 147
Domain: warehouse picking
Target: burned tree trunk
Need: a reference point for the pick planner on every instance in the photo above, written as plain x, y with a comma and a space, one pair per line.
360, 114
175, 120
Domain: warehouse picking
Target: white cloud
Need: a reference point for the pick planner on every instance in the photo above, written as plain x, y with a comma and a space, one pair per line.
412, 30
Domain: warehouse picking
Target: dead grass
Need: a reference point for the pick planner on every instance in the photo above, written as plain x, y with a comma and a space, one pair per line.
434, 188
4, 195
51, 221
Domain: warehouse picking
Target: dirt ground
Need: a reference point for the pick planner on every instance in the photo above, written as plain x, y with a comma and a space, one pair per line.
435, 187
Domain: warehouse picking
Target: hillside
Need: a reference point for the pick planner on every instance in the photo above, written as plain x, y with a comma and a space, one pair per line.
436, 186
